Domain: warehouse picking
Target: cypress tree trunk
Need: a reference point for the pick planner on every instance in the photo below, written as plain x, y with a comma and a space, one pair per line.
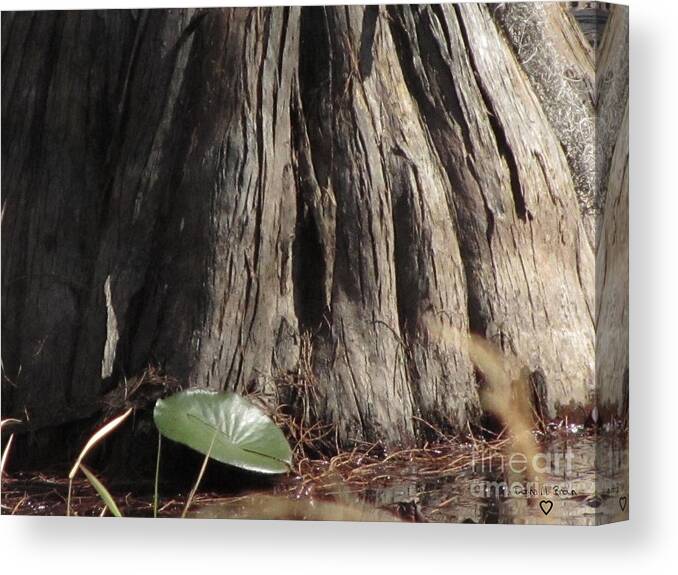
336, 194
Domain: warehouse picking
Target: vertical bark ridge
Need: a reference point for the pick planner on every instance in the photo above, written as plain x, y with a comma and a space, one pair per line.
430, 284
126, 257
611, 97
521, 265
62, 77
612, 264
360, 356
612, 290
560, 72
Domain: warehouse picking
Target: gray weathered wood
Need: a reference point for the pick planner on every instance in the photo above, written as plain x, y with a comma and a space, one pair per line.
228, 193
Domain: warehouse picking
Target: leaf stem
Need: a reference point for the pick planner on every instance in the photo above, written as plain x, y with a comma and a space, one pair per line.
197, 481
68, 500
157, 475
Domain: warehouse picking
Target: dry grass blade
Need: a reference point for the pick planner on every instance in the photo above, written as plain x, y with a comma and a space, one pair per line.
9, 421
507, 395
102, 491
98, 436
6, 453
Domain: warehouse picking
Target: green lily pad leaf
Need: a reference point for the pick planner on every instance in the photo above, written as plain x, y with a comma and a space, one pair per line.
243, 435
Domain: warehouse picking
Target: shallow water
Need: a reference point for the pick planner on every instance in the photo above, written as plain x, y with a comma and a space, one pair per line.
583, 481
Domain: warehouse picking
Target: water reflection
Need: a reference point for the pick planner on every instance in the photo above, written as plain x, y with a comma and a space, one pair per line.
584, 482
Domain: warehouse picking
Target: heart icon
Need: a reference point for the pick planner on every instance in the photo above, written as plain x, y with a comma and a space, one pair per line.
546, 506
622, 503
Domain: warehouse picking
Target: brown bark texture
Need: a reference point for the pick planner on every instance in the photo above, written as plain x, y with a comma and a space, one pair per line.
337, 195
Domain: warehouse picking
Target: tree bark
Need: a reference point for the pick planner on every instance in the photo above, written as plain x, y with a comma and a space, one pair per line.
235, 195
612, 255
